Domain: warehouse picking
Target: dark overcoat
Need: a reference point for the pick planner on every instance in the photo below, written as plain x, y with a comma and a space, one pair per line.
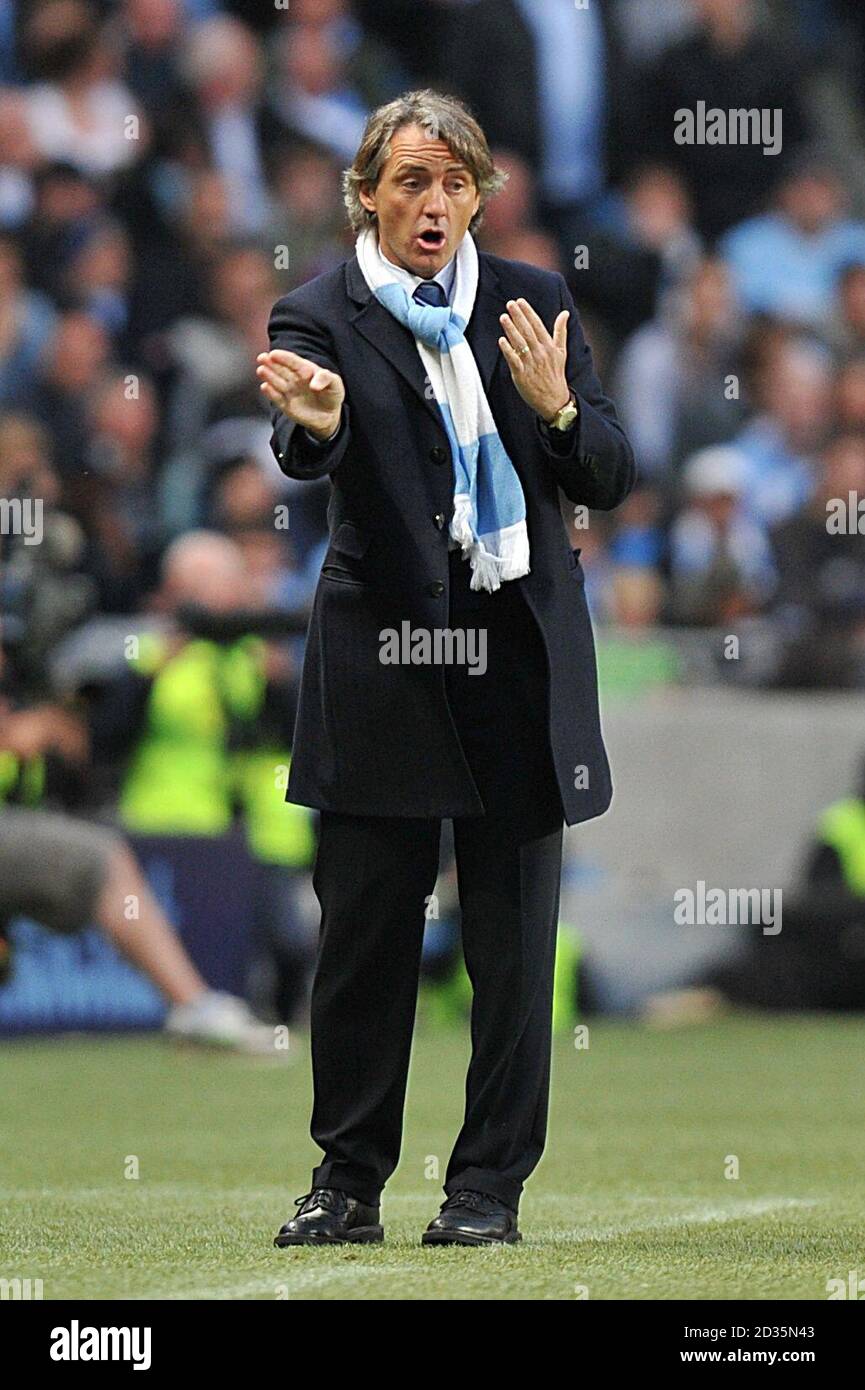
379, 739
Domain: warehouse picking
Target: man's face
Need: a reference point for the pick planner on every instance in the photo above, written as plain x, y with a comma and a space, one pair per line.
425, 199
812, 201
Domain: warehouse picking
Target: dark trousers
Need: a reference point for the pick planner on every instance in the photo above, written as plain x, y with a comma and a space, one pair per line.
373, 877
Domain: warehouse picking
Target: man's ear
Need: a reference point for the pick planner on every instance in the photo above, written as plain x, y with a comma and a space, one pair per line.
366, 197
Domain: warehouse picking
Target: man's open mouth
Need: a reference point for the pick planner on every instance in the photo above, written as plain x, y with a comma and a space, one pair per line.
432, 239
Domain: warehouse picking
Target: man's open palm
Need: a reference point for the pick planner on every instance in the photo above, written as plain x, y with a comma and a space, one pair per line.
305, 392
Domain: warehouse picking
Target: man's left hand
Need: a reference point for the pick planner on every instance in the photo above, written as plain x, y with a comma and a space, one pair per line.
537, 360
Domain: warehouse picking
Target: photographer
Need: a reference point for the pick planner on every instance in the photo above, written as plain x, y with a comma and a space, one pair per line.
199, 728
63, 871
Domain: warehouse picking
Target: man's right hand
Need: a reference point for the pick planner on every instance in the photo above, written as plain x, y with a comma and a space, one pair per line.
310, 395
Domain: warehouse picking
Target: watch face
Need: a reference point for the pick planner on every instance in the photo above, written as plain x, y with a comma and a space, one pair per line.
566, 417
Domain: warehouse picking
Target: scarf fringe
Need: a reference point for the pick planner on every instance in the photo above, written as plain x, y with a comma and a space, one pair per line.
488, 569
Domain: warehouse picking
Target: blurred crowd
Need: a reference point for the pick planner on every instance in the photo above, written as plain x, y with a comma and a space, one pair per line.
169, 168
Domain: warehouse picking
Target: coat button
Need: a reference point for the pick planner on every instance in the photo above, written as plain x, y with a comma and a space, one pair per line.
438, 454
439, 519
437, 588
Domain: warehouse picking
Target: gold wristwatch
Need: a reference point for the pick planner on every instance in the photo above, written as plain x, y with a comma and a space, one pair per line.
566, 416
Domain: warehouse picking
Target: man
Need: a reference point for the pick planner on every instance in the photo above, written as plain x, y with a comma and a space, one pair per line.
732, 62
576, 95
67, 874
200, 729
787, 262
817, 962
425, 381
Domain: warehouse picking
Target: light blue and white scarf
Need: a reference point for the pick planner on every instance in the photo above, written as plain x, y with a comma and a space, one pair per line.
489, 519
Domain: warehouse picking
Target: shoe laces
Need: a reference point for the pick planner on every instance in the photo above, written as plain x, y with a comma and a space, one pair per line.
475, 1201
328, 1198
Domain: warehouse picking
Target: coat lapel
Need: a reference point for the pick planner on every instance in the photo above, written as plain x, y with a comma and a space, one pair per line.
484, 329
396, 343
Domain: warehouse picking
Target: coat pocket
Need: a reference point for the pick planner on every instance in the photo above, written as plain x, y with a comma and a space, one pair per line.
338, 574
342, 563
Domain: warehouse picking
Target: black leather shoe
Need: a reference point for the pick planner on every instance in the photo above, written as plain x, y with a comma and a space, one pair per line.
328, 1216
472, 1218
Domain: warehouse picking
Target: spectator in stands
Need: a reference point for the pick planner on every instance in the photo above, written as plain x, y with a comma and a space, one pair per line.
19, 159
633, 656
846, 329
124, 257
793, 399
78, 108
245, 505
674, 374
174, 263
116, 494
559, 99
72, 361
98, 279
731, 62
315, 96
211, 348
27, 321
644, 250
510, 228
375, 68
819, 604
223, 66
44, 591
398, 25
152, 37
788, 262
647, 31
307, 216
636, 540
65, 202
25, 459
720, 560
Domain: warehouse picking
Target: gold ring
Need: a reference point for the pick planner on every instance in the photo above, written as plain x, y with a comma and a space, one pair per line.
524, 351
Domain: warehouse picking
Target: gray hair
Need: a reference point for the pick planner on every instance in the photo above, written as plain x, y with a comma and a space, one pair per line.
443, 118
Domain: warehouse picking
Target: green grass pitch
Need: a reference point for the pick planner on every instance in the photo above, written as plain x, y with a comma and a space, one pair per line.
630, 1201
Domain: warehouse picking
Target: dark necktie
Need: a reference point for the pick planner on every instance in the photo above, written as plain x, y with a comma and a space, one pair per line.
430, 292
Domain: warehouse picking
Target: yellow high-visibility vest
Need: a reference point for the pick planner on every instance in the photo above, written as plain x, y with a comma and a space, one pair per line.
842, 826
28, 777
184, 780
